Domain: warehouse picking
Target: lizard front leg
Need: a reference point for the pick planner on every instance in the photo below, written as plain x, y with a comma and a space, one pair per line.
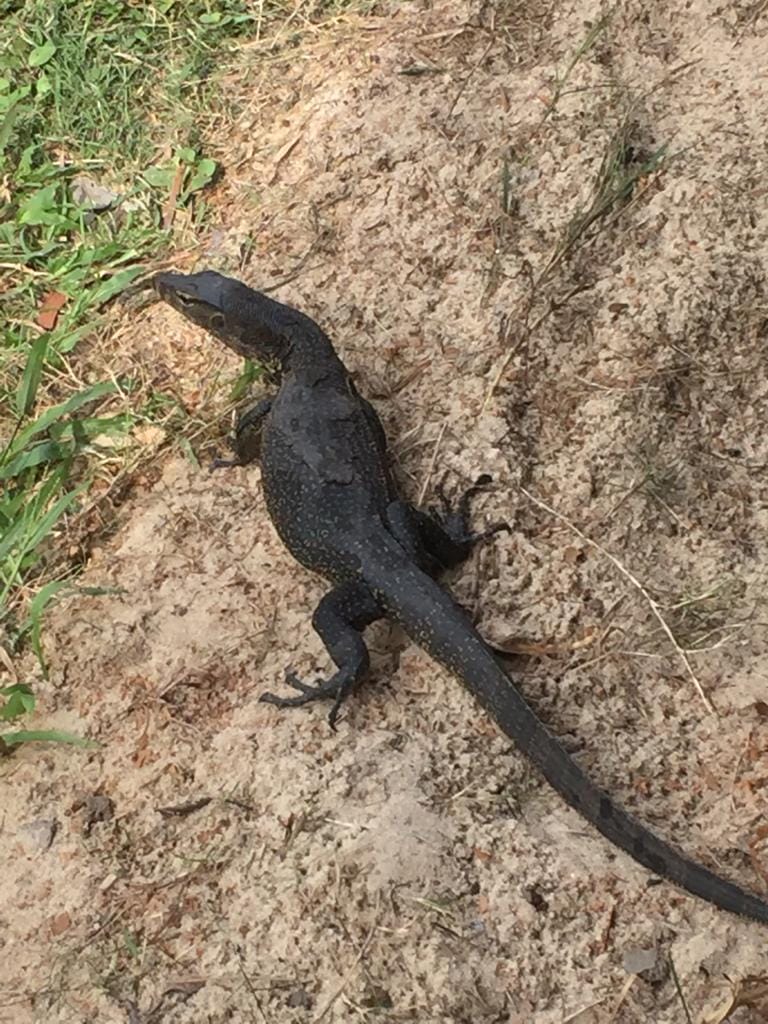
339, 620
247, 443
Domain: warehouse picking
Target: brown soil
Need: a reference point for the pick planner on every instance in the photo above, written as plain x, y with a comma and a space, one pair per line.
414, 175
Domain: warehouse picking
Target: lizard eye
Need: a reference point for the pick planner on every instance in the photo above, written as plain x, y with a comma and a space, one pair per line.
185, 300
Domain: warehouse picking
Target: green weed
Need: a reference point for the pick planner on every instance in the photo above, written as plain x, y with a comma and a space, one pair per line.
98, 149
18, 700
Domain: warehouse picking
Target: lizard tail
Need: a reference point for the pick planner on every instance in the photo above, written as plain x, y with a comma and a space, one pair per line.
433, 619
495, 691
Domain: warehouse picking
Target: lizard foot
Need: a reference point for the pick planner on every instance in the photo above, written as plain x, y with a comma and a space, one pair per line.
455, 521
307, 692
322, 690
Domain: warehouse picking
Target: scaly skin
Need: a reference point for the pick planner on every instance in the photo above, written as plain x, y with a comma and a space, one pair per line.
331, 497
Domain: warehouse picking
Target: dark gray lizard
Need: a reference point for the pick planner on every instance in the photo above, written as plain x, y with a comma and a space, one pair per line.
332, 499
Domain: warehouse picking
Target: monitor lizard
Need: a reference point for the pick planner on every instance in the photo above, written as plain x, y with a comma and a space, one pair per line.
332, 498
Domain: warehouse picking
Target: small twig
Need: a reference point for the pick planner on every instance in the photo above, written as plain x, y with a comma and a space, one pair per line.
686, 602
633, 488
652, 604
347, 824
631, 979
757, 12
363, 950
23, 270
432, 462
466, 81
676, 980
169, 206
528, 331
671, 511
181, 810
300, 268
241, 804
259, 20
249, 985
582, 1010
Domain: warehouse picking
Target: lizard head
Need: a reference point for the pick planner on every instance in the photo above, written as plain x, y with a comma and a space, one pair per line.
250, 323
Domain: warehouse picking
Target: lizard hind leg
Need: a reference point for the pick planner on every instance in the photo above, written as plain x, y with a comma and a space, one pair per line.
440, 538
454, 523
339, 620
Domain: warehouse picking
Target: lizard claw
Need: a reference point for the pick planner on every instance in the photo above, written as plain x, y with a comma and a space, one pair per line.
307, 692
296, 684
218, 463
500, 527
335, 688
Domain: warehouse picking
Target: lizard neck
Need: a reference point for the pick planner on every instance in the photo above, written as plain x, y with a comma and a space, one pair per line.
312, 361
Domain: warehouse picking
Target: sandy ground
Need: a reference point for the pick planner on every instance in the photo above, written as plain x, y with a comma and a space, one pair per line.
414, 176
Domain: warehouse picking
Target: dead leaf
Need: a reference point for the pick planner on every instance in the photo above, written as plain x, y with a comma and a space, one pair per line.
185, 985
519, 645
95, 808
751, 992
169, 207
91, 195
5, 658
108, 441
48, 313
59, 923
282, 154
149, 435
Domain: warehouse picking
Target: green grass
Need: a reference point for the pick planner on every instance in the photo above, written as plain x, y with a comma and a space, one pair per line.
118, 94
104, 78
18, 700
621, 170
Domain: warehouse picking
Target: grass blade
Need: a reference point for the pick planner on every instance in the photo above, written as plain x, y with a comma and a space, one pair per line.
46, 736
33, 372
57, 412
37, 607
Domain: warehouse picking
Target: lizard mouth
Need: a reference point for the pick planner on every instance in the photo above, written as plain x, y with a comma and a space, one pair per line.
166, 284
182, 293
